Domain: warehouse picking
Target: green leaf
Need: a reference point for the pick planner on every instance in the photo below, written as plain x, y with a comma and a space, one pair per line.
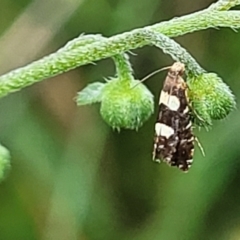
90, 94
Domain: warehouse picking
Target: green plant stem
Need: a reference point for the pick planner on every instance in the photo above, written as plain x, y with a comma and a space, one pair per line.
169, 46
69, 58
123, 67
224, 5
198, 21
175, 50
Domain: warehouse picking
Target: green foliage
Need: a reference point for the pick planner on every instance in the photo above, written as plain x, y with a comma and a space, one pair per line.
73, 176
125, 105
90, 94
124, 102
211, 98
86, 49
4, 162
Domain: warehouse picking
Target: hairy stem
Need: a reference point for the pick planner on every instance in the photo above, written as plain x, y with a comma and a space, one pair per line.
76, 53
224, 5
175, 50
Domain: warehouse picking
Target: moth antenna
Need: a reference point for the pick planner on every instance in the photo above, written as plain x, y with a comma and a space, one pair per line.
200, 146
150, 75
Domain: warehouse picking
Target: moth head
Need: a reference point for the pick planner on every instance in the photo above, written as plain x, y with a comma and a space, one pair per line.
177, 68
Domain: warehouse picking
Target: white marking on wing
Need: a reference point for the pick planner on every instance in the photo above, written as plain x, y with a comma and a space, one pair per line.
172, 102
164, 97
162, 129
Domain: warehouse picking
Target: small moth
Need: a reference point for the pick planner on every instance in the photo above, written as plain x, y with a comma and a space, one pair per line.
174, 139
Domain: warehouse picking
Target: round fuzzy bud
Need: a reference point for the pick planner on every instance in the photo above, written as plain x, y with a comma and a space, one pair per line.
126, 104
211, 97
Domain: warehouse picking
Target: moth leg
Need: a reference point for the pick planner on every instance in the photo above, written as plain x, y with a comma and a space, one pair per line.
200, 146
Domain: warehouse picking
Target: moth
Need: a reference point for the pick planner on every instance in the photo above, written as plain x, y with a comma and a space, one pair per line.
174, 138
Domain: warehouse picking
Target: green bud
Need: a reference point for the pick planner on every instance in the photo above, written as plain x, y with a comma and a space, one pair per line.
126, 104
211, 98
4, 162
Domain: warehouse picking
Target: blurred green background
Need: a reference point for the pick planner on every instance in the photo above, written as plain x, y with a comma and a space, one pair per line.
72, 176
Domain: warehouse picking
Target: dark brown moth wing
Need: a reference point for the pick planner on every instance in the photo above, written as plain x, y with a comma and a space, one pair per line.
174, 140
166, 137
183, 156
